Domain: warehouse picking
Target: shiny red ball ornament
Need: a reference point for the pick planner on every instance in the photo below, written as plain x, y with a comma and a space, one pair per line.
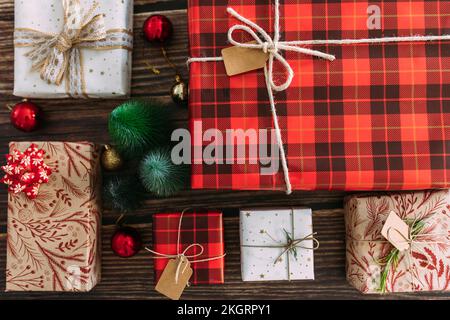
25, 116
158, 28
126, 242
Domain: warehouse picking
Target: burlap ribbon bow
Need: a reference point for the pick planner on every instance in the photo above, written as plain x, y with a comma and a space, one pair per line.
58, 56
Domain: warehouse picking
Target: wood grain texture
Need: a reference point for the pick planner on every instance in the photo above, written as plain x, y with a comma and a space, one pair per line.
73, 120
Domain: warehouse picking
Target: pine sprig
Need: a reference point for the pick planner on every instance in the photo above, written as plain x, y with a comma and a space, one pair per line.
136, 126
160, 176
289, 240
390, 261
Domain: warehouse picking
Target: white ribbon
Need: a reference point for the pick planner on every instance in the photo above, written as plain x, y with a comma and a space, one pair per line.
273, 47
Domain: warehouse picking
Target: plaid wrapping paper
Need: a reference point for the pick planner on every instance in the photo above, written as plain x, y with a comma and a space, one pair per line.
376, 118
203, 228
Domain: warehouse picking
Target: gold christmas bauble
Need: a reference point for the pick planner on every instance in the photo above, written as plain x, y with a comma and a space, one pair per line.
111, 159
179, 91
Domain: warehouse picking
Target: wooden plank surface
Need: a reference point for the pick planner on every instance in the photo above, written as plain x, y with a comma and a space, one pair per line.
73, 120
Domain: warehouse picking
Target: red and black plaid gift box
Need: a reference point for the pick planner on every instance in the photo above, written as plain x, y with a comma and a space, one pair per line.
376, 118
205, 229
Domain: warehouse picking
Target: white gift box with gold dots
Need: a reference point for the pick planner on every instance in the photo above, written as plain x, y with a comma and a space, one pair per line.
100, 65
277, 244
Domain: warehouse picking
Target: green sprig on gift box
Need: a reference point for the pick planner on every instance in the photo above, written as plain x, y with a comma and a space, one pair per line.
390, 261
290, 240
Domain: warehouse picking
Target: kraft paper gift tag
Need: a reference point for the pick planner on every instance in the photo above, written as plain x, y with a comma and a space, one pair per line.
167, 284
396, 231
239, 60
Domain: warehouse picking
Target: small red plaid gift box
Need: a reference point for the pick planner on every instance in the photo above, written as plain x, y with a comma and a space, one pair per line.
376, 117
205, 230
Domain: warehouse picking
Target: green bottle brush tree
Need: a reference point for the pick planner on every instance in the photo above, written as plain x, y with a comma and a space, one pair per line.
160, 176
137, 126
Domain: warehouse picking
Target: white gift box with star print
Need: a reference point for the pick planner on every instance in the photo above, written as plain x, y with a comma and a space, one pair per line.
53, 62
277, 244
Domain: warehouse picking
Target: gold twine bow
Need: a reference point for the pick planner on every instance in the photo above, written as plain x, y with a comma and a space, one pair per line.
290, 245
416, 227
58, 56
181, 256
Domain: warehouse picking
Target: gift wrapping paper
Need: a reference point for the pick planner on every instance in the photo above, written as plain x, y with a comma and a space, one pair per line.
54, 240
205, 229
268, 227
376, 118
426, 268
107, 73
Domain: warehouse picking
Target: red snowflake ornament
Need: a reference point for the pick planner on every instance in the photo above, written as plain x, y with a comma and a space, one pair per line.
26, 171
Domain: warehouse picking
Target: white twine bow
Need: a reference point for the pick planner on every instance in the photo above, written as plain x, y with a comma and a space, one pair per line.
58, 56
182, 256
273, 46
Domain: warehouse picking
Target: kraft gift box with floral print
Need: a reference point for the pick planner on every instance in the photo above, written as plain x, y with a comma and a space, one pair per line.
373, 263
53, 241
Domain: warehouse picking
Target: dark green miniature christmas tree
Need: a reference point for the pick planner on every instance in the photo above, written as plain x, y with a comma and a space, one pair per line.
160, 176
136, 126
122, 193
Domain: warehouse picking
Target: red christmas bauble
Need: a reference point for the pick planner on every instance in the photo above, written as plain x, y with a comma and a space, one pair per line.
25, 116
158, 28
126, 242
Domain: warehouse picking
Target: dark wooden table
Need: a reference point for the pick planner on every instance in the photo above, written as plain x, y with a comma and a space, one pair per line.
73, 120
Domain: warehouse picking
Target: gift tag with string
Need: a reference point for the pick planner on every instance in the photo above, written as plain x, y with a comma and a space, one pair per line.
169, 284
239, 60
396, 231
